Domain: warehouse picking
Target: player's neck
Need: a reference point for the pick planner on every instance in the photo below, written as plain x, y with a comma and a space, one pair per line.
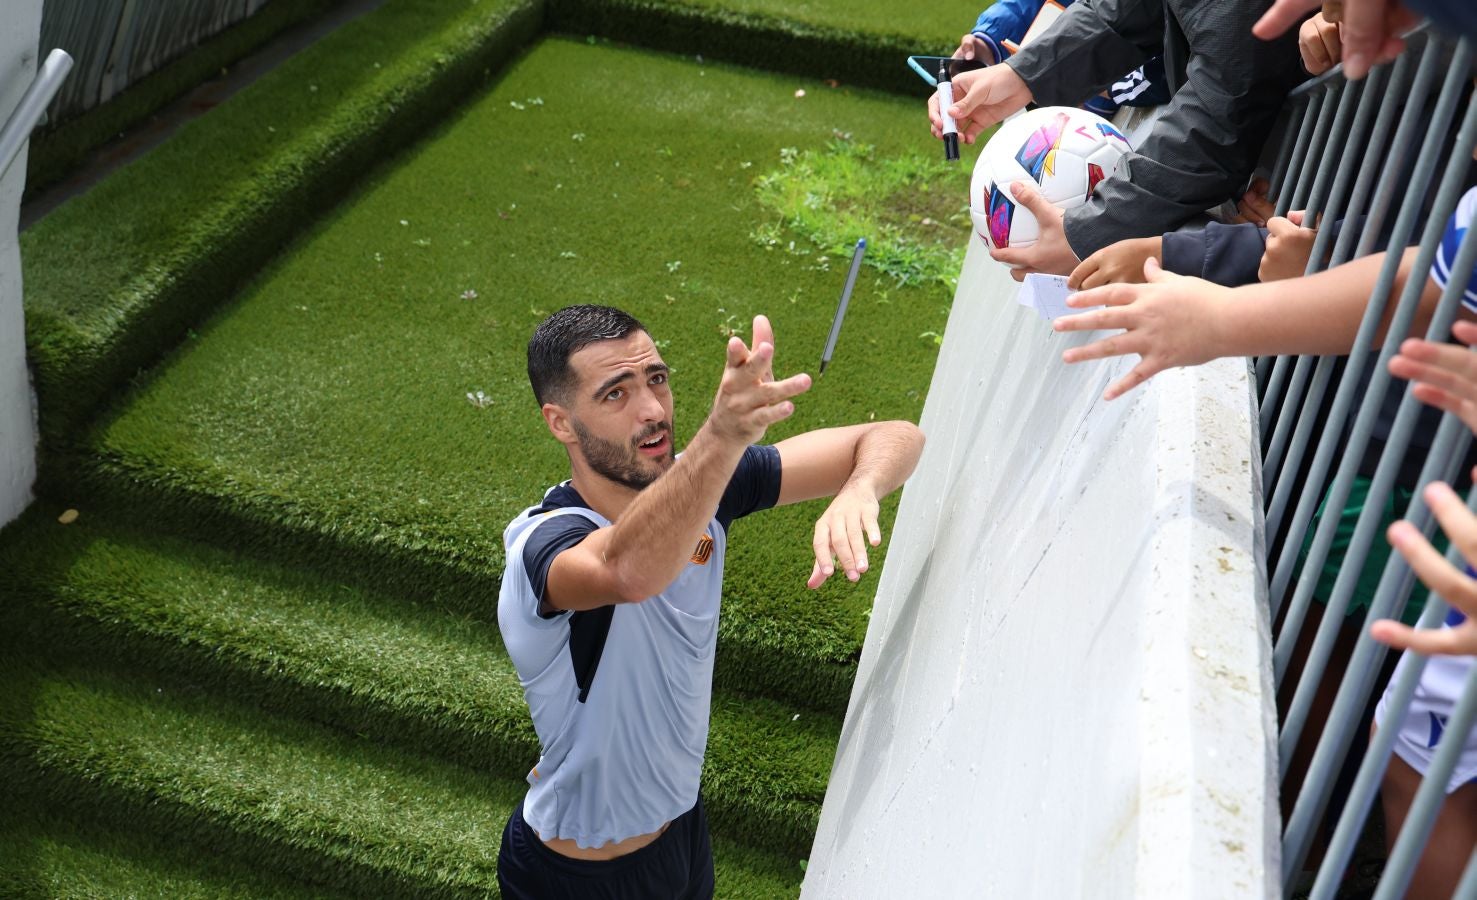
606, 497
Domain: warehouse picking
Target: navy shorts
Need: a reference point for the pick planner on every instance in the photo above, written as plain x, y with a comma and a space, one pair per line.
677, 865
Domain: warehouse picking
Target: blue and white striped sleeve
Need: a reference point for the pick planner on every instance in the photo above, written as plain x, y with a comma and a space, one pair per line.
1451, 241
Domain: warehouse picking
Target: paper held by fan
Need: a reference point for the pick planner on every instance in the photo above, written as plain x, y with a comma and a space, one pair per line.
1047, 294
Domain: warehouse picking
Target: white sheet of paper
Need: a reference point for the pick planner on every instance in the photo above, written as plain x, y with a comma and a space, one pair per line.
1047, 294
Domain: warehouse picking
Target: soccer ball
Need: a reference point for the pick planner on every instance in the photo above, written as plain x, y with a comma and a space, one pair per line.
1064, 150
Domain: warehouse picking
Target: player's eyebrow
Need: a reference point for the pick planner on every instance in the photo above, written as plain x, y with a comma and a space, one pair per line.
612, 381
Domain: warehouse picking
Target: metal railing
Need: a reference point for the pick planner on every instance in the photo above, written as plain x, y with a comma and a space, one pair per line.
1382, 156
117, 42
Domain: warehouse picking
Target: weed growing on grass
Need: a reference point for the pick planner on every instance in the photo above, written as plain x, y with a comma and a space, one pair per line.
910, 208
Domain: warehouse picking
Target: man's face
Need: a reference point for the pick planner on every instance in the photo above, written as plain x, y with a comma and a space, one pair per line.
621, 410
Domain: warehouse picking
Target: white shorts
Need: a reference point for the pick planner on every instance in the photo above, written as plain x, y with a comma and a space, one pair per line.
1424, 726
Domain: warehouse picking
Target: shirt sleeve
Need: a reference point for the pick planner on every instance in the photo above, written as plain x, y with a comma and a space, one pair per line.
547, 541
1451, 241
755, 484
1088, 48
1006, 20
1229, 255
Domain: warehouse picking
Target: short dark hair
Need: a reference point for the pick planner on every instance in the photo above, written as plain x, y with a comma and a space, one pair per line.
562, 335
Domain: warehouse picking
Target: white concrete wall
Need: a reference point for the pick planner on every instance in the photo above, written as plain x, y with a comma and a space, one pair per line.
1064, 690
18, 60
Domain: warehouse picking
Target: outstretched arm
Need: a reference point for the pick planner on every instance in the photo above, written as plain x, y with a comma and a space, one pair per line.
859, 465
1178, 321
647, 548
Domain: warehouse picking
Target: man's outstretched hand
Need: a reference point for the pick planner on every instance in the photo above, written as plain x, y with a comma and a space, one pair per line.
749, 399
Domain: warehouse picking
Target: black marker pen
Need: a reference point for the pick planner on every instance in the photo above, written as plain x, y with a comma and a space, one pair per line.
946, 100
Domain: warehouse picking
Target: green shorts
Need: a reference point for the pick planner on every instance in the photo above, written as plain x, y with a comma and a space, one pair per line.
1379, 551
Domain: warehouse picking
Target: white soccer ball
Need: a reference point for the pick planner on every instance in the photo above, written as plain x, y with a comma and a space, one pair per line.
1065, 151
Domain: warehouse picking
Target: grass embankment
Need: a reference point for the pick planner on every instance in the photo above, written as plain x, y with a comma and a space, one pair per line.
134, 753
115, 276
865, 44
330, 404
375, 666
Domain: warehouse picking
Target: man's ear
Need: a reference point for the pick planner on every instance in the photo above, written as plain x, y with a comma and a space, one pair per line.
561, 425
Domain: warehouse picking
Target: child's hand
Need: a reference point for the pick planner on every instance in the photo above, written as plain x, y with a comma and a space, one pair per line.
1444, 376
972, 47
1122, 262
1453, 585
1254, 207
1288, 247
1319, 44
1171, 321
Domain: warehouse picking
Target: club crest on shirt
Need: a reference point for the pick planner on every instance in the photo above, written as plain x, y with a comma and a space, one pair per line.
704, 551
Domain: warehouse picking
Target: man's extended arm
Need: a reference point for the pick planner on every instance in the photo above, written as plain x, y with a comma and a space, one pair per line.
859, 464
648, 546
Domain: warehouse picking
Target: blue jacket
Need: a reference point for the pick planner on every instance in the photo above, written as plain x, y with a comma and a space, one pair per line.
1009, 20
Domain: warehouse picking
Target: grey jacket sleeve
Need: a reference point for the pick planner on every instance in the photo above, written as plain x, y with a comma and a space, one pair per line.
1092, 44
1204, 147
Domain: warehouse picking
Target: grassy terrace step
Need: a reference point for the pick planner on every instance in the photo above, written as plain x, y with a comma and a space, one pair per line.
287, 797
865, 43
115, 276
373, 666
328, 408
48, 856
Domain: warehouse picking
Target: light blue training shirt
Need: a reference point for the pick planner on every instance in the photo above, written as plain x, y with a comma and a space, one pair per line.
619, 695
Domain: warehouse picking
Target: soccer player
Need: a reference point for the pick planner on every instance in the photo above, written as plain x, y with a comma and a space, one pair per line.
610, 595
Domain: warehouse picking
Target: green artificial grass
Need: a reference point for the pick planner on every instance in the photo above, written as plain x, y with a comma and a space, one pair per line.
330, 403
291, 798
373, 666
115, 276
63, 145
909, 206
53, 857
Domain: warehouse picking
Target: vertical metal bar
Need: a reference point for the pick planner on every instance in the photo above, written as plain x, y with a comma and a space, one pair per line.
1428, 799
1287, 478
1289, 138
1466, 889
1372, 768
1355, 145
1272, 397
1396, 443
1319, 161
1374, 158
1452, 438
1272, 458
1263, 368
1346, 716
1390, 188
1332, 432
1284, 186
1281, 190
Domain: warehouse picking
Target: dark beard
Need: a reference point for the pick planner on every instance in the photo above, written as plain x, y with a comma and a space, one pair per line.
619, 462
